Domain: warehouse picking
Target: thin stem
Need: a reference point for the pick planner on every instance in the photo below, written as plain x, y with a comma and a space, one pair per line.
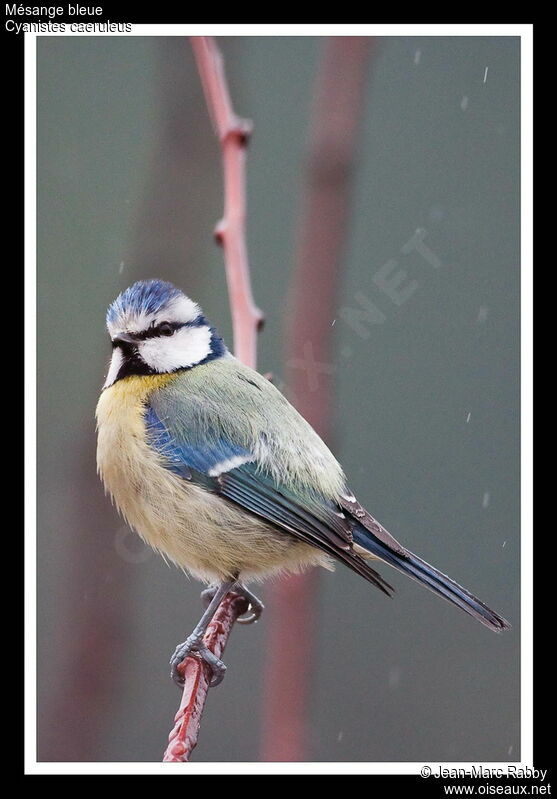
197, 675
233, 133
247, 320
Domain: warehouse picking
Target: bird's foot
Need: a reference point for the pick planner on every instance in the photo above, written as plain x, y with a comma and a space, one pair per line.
194, 645
255, 608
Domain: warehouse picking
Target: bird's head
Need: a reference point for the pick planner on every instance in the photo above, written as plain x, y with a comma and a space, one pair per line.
156, 329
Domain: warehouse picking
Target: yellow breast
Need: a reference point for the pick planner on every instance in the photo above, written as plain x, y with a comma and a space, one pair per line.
126, 398
146, 493
196, 529
123, 454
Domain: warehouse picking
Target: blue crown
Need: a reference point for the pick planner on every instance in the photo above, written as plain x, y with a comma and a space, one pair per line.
145, 296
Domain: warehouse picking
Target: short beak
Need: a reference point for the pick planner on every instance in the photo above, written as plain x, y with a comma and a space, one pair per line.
124, 338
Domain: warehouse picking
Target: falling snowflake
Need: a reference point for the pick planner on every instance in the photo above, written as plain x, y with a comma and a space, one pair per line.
394, 677
482, 314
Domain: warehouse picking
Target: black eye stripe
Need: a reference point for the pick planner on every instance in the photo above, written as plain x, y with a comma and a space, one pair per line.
155, 330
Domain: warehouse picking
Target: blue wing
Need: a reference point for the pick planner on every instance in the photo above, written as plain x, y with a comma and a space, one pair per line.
223, 467
184, 455
315, 520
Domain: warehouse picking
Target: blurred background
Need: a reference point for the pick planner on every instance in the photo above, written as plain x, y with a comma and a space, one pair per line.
426, 400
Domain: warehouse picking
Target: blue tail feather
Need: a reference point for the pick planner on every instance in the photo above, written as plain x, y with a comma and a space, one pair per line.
431, 578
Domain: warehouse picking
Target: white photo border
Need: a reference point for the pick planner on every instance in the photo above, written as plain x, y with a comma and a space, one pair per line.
525, 33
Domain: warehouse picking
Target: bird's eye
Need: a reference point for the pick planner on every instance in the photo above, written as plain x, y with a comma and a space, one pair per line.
166, 329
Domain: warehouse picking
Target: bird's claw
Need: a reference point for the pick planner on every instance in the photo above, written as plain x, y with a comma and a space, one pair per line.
254, 611
255, 605
195, 646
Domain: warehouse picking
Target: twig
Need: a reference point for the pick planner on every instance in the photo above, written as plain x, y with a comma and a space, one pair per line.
318, 265
196, 673
233, 133
247, 319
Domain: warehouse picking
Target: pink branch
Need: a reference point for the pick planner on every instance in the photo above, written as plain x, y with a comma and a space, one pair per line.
233, 134
247, 319
183, 737
336, 116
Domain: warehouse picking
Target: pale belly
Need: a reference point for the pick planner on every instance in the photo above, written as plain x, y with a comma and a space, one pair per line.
210, 537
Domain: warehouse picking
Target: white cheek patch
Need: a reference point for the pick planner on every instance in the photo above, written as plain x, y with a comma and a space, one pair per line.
115, 363
186, 347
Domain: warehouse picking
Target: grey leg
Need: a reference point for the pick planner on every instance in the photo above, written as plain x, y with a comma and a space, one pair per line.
194, 642
256, 606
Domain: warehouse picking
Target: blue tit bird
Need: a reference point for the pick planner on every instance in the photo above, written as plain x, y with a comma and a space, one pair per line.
214, 468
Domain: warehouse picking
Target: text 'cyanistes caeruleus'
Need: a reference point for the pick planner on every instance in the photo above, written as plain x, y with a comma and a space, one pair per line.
213, 467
